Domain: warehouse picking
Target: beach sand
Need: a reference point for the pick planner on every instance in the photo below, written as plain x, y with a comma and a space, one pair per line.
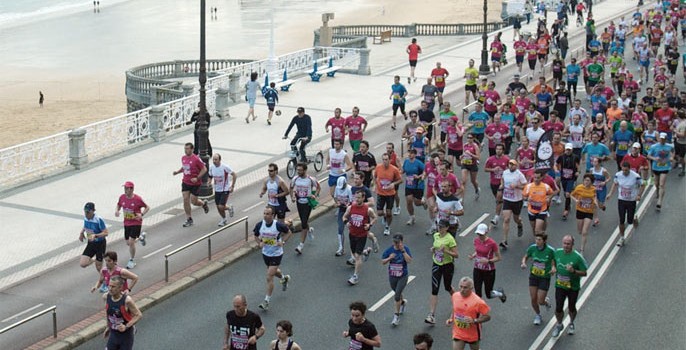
78, 94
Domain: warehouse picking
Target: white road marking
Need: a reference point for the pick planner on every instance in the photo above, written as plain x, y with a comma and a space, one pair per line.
379, 145
157, 251
474, 224
595, 278
252, 206
21, 313
388, 296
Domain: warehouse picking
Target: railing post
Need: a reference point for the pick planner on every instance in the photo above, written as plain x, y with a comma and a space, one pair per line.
187, 89
234, 87
166, 269
157, 130
152, 99
54, 323
78, 156
178, 68
246, 230
222, 103
209, 248
364, 68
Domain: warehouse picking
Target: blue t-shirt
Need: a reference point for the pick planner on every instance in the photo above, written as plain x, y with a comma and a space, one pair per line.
573, 72
594, 46
412, 169
545, 99
398, 91
479, 119
597, 103
623, 141
663, 152
591, 151
271, 95
94, 225
509, 119
398, 262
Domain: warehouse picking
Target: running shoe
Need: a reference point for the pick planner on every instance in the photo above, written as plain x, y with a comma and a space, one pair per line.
430, 319
299, 248
221, 222
410, 222
494, 221
636, 220
387, 231
396, 211
365, 253
188, 223
520, 230
402, 307
130, 264
503, 297
340, 252
557, 330
409, 81
620, 243
537, 320
205, 207
231, 211
103, 289
396, 320
264, 305
350, 261
503, 245
547, 303
310, 233
284, 282
477, 193
375, 245
353, 280
142, 238
570, 329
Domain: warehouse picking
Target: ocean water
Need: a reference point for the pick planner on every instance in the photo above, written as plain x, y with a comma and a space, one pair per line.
69, 37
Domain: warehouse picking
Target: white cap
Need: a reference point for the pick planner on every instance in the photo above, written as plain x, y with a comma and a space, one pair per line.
663, 135
569, 146
482, 229
636, 145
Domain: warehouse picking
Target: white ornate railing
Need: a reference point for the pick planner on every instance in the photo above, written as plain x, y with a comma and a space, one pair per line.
177, 114
33, 160
117, 134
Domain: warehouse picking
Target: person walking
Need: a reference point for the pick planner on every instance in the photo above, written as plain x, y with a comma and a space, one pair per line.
193, 169
41, 99
122, 314
271, 236
243, 327
251, 89
271, 96
397, 256
134, 208
94, 231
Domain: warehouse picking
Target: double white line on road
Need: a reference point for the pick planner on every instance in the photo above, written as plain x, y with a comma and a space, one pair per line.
592, 278
388, 296
474, 224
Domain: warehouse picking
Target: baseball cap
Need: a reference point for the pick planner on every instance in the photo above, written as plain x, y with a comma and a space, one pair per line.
512, 161
90, 206
420, 130
663, 135
569, 146
636, 145
482, 229
301, 109
397, 237
128, 184
443, 223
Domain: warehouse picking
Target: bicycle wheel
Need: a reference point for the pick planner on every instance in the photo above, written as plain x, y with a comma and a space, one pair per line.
290, 168
318, 161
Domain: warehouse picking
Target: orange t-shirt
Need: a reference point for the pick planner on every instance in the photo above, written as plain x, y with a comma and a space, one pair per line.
385, 176
538, 196
472, 306
613, 114
584, 198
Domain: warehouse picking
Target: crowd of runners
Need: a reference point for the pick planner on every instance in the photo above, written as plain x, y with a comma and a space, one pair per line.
620, 133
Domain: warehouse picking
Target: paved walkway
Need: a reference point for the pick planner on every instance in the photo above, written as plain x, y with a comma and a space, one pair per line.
52, 209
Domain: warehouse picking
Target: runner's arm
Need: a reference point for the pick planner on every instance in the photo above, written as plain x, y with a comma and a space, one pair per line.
126, 273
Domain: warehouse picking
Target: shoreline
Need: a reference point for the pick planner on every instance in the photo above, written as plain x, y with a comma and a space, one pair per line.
74, 98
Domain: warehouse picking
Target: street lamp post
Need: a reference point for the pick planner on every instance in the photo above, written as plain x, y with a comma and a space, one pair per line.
203, 132
483, 67
272, 63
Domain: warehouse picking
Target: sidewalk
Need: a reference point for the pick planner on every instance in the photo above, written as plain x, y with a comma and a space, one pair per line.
56, 203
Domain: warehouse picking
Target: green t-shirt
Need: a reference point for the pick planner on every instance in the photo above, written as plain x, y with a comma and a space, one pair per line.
565, 279
542, 260
439, 257
629, 126
615, 63
595, 72
472, 74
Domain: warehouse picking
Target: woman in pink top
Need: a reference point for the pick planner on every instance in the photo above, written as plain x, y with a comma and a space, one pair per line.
486, 254
455, 131
112, 269
525, 158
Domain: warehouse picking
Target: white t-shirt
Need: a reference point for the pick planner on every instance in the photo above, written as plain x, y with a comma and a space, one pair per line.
534, 136
337, 162
446, 205
510, 179
220, 175
628, 185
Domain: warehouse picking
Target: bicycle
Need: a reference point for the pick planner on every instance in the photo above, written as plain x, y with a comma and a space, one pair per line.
294, 155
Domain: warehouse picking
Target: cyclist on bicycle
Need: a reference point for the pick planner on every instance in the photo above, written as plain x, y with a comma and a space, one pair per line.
304, 124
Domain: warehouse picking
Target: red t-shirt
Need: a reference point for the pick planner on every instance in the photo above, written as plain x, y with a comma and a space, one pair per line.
635, 163
454, 182
498, 132
520, 47
664, 119
359, 216
355, 127
490, 99
414, 51
496, 49
439, 75
549, 125
495, 162
192, 165
485, 249
130, 207
337, 128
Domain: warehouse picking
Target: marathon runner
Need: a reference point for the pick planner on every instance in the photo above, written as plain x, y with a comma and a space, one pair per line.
134, 208
364, 161
397, 256
360, 218
413, 170
570, 267
539, 195
355, 126
271, 236
444, 251
193, 169
243, 327
568, 166
94, 231
277, 191
448, 207
386, 177
542, 257
486, 254
337, 125
586, 204
495, 166
304, 191
219, 174
363, 334
631, 187
339, 164
122, 316
468, 313
110, 270
511, 185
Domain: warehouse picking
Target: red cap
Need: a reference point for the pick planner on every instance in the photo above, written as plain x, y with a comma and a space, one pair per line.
128, 184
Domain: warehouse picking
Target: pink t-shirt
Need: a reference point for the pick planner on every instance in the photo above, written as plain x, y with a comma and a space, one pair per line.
522, 104
130, 207
486, 250
528, 154
496, 49
431, 173
337, 128
355, 127
549, 125
495, 162
192, 165
519, 47
499, 132
454, 182
454, 140
490, 99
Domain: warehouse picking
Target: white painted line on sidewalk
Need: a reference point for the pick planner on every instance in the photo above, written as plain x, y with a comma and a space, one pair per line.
21, 313
157, 251
474, 224
388, 296
595, 278
381, 144
252, 206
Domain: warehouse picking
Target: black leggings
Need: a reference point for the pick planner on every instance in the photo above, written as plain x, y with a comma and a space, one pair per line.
304, 210
485, 277
561, 295
446, 271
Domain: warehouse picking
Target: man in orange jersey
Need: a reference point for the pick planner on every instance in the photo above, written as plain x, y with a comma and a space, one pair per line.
469, 312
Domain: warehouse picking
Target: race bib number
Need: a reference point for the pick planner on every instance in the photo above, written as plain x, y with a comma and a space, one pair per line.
239, 342
301, 191
438, 256
478, 124
395, 270
564, 281
538, 269
534, 205
269, 241
508, 193
409, 180
586, 203
626, 192
460, 321
467, 160
567, 173
623, 146
356, 220
355, 345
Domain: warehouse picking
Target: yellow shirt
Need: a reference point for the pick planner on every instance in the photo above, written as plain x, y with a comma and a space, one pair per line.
584, 198
471, 75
